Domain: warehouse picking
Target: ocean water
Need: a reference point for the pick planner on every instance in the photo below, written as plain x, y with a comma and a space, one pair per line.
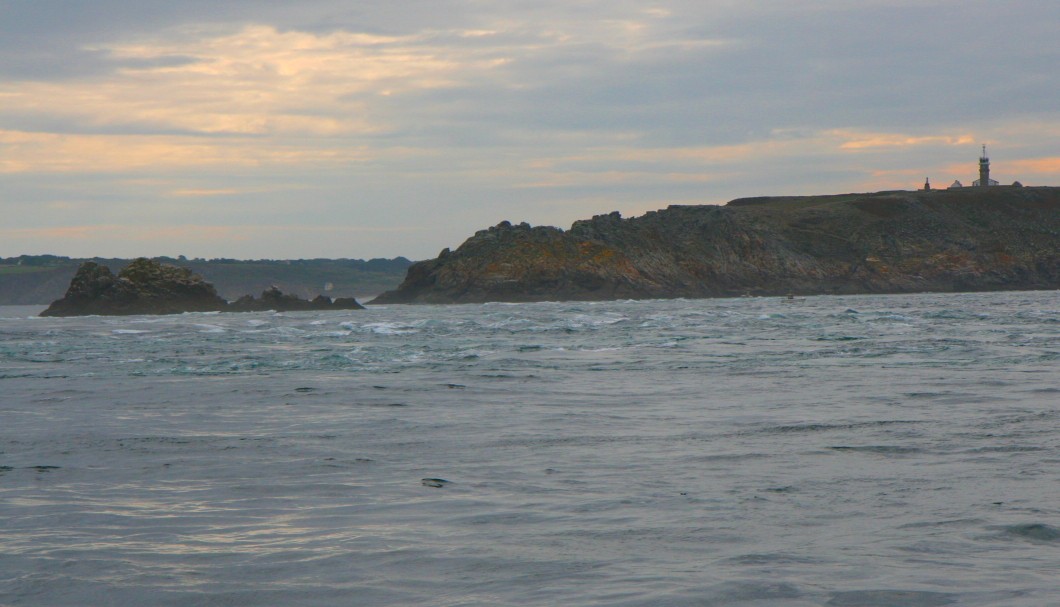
839, 451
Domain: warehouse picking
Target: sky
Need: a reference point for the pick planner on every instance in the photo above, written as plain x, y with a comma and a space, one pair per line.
360, 129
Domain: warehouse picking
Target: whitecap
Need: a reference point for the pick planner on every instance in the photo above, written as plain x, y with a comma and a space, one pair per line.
129, 331
203, 328
389, 328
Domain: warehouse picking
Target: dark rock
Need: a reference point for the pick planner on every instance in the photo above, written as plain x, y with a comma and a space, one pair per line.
276, 300
143, 287
972, 239
149, 287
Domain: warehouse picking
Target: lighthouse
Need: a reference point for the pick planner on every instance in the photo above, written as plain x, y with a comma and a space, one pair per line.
984, 171
984, 168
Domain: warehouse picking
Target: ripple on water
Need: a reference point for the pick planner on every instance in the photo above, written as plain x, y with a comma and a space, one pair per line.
679, 453
1037, 532
891, 598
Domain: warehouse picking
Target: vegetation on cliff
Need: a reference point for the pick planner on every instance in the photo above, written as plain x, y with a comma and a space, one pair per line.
886, 242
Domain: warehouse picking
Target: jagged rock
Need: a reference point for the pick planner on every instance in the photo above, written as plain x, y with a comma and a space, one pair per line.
888, 242
143, 287
148, 287
274, 299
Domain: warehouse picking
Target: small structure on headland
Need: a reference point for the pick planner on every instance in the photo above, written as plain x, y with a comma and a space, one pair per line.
984, 175
984, 172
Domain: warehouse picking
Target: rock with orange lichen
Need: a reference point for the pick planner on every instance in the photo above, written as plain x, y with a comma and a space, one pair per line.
888, 242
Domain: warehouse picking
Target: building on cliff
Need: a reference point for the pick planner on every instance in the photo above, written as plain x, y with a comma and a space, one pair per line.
984, 175
984, 171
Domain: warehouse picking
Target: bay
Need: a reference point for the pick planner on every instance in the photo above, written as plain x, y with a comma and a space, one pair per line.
868, 450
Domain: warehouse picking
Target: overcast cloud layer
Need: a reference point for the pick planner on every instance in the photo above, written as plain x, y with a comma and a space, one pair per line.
361, 129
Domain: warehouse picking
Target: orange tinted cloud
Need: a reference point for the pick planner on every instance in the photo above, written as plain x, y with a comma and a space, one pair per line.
24, 152
856, 140
1035, 166
257, 80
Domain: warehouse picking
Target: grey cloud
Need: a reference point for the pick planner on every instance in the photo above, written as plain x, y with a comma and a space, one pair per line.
782, 71
907, 67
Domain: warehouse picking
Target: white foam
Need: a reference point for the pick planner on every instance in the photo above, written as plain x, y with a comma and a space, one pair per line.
390, 328
211, 329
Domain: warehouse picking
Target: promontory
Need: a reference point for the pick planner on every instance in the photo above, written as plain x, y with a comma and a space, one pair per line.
967, 239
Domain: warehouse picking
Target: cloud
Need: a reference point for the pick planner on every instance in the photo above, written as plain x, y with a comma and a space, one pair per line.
1038, 167
256, 81
854, 140
30, 152
442, 116
207, 193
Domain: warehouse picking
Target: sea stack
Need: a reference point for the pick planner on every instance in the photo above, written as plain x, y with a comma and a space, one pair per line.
146, 286
143, 287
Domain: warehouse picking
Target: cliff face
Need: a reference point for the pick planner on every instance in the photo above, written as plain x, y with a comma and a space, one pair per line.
888, 242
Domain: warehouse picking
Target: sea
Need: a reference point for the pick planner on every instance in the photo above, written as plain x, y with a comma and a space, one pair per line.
854, 451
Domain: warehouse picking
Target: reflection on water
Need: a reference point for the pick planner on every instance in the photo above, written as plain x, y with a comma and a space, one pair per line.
897, 450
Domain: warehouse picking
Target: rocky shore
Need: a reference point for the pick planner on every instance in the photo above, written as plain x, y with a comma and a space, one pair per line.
972, 239
149, 287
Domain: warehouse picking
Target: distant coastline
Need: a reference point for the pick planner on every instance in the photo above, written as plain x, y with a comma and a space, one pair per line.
41, 279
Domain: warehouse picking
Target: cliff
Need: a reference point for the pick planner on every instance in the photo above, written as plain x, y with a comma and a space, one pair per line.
887, 242
146, 286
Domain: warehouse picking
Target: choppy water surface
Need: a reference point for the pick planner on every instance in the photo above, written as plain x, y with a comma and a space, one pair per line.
841, 451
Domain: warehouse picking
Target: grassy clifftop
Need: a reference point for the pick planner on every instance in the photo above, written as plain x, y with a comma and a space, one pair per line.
886, 242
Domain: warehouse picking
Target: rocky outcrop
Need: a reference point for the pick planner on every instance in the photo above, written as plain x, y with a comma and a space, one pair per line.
149, 287
888, 242
142, 287
35, 279
274, 299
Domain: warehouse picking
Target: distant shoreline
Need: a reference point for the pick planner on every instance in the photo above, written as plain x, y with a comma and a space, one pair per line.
45, 278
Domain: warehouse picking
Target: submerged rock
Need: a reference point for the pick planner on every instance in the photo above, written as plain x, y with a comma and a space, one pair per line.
975, 239
146, 286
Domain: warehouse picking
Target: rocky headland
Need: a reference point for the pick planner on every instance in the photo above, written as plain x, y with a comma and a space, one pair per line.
970, 239
146, 286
